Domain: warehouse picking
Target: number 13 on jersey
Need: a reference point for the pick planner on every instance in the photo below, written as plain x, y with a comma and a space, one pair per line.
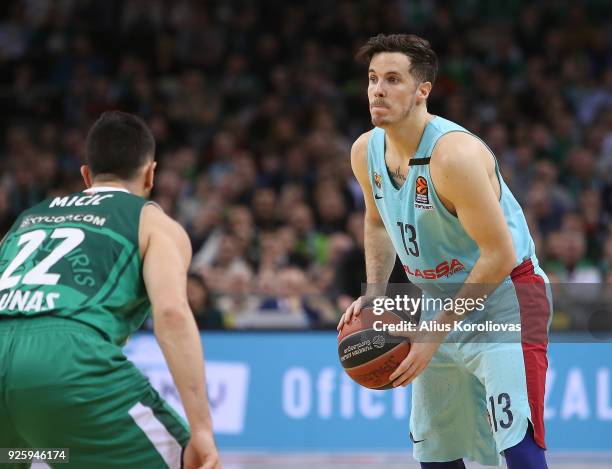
409, 238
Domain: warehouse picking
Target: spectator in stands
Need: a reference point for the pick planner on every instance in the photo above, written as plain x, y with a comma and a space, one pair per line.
571, 264
350, 270
228, 259
292, 299
237, 298
264, 206
309, 242
200, 302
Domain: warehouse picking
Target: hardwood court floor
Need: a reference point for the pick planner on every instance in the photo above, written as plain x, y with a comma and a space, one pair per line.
380, 461
388, 461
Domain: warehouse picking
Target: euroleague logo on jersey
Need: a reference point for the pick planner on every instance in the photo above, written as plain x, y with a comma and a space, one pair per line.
421, 194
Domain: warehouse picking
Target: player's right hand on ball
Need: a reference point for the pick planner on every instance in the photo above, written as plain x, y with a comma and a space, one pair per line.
201, 452
354, 309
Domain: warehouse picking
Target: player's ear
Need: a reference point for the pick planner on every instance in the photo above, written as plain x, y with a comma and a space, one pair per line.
423, 90
150, 174
86, 176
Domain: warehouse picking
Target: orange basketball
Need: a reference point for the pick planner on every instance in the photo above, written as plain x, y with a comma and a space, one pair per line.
369, 356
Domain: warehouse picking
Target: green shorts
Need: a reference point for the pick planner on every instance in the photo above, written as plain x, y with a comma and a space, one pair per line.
63, 386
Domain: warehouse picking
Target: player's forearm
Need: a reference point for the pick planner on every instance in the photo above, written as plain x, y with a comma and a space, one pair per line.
492, 267
179, 340
488, 272
379, 256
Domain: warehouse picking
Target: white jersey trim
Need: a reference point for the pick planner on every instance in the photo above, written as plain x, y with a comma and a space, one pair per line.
106, 189
166, 445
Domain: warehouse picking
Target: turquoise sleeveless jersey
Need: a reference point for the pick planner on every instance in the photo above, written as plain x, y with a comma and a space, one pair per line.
433, 246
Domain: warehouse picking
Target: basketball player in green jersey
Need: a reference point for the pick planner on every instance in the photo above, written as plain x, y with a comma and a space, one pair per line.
78, 275
435, 197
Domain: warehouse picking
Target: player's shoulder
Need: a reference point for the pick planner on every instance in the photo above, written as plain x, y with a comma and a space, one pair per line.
359, 150
360, 145
458, 150
154, 221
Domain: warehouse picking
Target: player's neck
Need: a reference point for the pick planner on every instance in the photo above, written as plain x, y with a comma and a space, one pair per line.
404, 137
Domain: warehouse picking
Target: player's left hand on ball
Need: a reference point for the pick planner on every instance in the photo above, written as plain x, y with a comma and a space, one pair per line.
422, 349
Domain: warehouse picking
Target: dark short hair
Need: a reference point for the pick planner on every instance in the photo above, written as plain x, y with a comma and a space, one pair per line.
423, 59
119, 144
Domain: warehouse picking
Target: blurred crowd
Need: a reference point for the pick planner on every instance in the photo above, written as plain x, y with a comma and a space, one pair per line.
254, 105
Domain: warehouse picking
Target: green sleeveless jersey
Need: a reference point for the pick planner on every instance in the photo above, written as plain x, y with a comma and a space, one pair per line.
77, 257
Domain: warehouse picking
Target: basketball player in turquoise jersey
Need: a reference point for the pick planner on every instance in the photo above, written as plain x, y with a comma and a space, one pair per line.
78, 275
434, 196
